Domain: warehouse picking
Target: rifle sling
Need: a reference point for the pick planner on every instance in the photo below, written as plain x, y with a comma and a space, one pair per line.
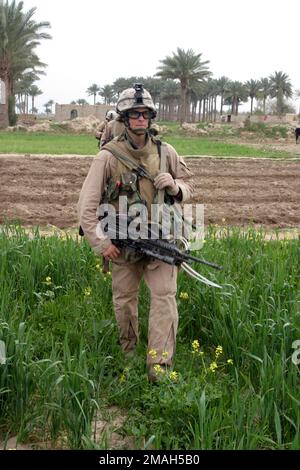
128, 162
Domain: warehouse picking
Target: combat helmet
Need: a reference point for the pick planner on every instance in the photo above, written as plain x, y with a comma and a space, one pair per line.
135, 97
111, 114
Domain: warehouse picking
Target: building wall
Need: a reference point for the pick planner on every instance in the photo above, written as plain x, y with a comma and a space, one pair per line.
271, 119
63, 111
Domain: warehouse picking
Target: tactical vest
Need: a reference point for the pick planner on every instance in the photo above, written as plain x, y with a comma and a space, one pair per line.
126, 182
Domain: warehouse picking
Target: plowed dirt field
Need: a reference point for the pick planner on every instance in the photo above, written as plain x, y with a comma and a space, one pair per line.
43, 190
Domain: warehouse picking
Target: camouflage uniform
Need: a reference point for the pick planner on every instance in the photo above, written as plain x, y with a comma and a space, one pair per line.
112, 130
100, 130
161, 278
110, 115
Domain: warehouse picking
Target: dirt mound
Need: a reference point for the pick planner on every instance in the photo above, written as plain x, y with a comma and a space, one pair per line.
79, 125
86, 125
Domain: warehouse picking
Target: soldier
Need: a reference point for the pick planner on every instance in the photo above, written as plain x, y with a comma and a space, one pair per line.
110, 115
136, 109
113, 128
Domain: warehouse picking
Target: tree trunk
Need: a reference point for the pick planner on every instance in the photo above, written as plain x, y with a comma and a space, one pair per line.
204, 108
215, 110
183, 102
221, 110
264, 105
199, 112
279, 102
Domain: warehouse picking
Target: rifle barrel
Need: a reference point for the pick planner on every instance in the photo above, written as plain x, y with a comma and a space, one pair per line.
202, 261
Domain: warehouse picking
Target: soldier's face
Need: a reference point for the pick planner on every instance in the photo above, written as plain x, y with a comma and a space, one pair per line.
139, 122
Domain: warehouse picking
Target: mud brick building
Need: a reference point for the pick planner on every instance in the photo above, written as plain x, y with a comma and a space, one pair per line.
64, 112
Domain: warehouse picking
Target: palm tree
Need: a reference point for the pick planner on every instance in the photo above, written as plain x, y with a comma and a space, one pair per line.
107, 93
168, 100
184, 66
82, 102
235, 95
222, 85
21, 89
33, 92
50, 104
19, 36
252, 88
154, 86
93, 90
121, 84
280, 87
47, 109
264, 91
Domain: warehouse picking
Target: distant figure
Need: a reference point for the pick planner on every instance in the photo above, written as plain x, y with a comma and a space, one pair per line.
113, 128
297, 133
110, 115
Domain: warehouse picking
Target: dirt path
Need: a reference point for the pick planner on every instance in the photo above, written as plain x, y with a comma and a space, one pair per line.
42, 190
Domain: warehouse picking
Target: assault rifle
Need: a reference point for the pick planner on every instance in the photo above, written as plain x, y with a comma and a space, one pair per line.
153, 247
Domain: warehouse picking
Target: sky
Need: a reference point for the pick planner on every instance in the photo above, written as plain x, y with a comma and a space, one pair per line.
97, 41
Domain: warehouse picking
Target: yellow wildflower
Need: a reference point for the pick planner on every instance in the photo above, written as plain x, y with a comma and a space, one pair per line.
229, 361
97, 266
173, 375
195, 346
219, 351
213, 366
165, 354
152, 353
158, 369
123, 376
87, 291
48, 281
183, 295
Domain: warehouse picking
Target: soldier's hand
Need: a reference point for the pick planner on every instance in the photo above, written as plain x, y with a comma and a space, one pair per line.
111, 253
165, 180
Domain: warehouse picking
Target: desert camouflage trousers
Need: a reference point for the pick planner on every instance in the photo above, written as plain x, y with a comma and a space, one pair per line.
161, 279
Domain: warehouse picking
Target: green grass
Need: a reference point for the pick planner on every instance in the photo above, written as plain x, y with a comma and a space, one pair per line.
59, 144
204, 146
64, 363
